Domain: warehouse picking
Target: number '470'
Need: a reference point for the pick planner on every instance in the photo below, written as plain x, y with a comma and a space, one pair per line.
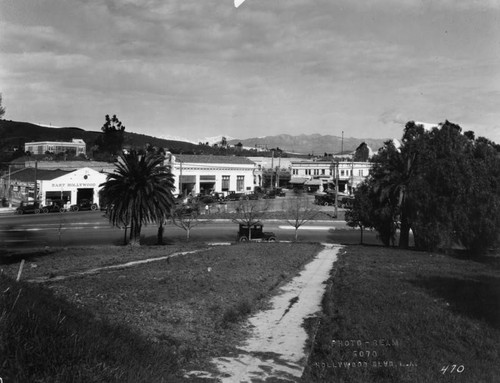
453, 368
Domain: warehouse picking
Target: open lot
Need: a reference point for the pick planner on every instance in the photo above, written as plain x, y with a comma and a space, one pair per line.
401, 316
188, 308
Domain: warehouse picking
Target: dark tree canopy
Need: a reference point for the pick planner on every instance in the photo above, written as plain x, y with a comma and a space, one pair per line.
113, 135
2, 109
441, 184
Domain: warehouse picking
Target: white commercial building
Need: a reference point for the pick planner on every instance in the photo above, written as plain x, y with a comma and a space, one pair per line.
320, 175
203, 174
72, 187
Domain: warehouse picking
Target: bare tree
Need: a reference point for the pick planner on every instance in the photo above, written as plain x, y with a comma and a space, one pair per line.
186, 218
299, 210
250, 212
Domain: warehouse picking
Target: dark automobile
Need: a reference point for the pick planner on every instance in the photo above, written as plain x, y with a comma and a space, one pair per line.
253, 196
206, 199
235, 196
325, 199
273, 193
254, 233
84, 204
346, 202
33, 208
54, 207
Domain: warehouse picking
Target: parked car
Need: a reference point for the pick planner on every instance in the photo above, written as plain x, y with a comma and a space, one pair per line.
346, 202
273, 193
33, 208
206, 199
255, 233
84, 204
235, 196
54, 207
324, 199
253, 196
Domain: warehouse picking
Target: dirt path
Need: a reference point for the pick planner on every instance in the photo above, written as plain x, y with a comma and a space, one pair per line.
111, 267
276, 348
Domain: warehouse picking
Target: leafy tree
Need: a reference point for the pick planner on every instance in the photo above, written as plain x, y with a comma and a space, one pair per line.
138, 192
362, 153
2, 109
113, 135
299, 211
442, 184
359, 214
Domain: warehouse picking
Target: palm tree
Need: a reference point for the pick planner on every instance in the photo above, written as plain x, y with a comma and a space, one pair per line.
139, 192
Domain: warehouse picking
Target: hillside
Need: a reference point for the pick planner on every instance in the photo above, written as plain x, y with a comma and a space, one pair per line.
14, 133
310, 143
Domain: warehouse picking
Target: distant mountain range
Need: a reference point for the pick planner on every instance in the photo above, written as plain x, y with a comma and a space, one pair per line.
14, 133
310, 143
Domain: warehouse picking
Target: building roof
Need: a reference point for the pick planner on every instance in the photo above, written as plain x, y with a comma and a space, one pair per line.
209, 159
28, 174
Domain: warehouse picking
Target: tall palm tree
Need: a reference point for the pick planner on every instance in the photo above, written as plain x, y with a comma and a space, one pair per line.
139, 192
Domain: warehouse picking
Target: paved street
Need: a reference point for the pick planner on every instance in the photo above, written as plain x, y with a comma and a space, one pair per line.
92, 228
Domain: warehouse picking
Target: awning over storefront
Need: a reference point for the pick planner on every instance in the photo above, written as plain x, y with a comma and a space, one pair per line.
313, 183
298, 180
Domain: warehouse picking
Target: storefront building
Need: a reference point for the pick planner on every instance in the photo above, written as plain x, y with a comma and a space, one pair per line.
205, 174
322, 175
73, 187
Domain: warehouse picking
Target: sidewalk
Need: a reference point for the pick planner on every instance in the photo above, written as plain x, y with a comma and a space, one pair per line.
276, 350
7, 210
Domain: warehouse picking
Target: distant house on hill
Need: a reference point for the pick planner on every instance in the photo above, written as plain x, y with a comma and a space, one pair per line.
41, 147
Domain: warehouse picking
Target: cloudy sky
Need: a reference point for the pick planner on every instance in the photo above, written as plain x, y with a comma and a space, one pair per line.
200, 68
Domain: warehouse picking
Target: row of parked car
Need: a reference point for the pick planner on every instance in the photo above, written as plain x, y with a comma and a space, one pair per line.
232, 196
328, 199
56, 207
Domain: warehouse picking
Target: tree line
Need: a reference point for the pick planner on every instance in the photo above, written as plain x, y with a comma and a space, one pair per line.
442, 184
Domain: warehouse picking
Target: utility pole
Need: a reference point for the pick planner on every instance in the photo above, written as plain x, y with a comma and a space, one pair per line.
9, 193
337, 189
278, 172
180, 178
35, 199
272, 168
352, 177
342, 144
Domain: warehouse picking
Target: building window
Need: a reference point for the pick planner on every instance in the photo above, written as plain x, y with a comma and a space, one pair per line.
225, 183
342, 173
308, 172
316, 172
240, 182
360, 172
323, 171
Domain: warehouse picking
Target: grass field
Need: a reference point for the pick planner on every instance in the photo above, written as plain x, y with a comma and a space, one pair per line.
404, 316
147, 323
400, 316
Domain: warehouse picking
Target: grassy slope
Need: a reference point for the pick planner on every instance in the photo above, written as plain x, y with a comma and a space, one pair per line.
438, 310
142, 324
